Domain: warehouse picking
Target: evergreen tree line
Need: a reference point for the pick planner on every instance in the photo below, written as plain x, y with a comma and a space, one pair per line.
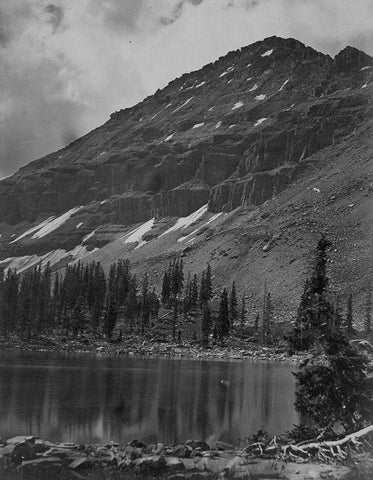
83, 299
195, 296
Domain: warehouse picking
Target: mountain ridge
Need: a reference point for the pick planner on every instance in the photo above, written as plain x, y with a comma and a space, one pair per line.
232, 135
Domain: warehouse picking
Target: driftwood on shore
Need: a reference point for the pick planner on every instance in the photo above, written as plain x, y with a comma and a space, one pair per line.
322, 450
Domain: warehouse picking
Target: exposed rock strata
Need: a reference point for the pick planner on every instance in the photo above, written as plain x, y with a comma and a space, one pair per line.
236, 132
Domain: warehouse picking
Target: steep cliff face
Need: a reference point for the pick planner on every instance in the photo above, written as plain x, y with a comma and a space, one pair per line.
235, 133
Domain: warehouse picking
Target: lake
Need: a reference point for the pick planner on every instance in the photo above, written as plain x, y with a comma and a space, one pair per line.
86, 398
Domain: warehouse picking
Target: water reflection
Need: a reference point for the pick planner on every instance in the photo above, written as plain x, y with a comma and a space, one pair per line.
90, 399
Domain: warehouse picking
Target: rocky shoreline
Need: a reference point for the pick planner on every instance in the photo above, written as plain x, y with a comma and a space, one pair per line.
31, 458
234, 349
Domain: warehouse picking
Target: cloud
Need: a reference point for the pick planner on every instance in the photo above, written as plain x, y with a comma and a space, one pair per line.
66, 64
177, 11
122, 15
56, 15
243, 3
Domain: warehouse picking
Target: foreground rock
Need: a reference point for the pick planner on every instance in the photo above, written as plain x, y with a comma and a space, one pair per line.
31, 458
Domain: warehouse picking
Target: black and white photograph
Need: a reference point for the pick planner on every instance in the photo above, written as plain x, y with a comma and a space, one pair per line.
186, 239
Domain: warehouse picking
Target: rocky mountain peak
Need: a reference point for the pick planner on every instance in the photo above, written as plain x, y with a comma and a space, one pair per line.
234, 134
350, 59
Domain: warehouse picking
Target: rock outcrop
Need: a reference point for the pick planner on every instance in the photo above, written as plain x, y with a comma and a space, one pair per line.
235, 133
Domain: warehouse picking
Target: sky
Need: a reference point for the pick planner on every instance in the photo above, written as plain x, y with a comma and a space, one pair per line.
65, 65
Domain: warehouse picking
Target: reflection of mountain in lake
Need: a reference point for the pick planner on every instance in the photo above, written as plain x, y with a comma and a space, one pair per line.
90, 399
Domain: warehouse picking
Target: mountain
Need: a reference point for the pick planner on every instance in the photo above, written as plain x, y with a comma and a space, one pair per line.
242, 163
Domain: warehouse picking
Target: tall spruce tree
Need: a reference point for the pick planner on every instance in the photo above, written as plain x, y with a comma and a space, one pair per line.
243, 314
110, 316
194, 292
206, 324
222, 322
332, 388
166, 289
314, 316
9, 302
233, 304
205, 293
145, 307
132, 303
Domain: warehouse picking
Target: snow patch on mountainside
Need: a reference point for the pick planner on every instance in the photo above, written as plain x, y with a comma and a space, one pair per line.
258, 122
33, 229
198, 125
183, 104
184, 222
237, 105
214, 217
260, 97
267, 53
167, 139
90, 235
55, 223
21, 264
283, 85
137, 233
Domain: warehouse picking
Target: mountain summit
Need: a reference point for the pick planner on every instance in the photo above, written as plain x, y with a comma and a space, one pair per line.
241, 163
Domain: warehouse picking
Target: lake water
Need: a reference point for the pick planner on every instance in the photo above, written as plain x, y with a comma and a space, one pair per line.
97, 399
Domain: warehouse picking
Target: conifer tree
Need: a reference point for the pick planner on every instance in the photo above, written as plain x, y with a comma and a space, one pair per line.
24, 306
145, 310
55, 310
78, 316
243, 314
208, 282
205, 293
187, 300
153, 304
223, 323
165, 295
202, 291
206, 324
10, 302
97, 302
110, 316
233, 303
132, 304
194, 292
314, 316
332, 388
174, 321
44, 320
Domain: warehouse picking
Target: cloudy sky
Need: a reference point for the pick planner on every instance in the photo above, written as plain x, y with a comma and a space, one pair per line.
65, 65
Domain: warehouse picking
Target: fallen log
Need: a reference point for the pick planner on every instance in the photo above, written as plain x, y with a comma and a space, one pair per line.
343, 441
323, 450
